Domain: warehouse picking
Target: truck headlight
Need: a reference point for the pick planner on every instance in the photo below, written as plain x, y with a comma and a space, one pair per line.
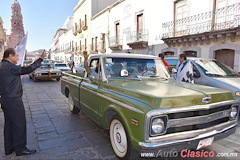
237, 94
234, 112
38, 74
158, 125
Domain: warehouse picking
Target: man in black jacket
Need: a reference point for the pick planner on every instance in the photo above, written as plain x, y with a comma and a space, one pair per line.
11, 102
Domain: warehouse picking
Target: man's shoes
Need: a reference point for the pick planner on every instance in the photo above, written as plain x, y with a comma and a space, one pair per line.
26, 152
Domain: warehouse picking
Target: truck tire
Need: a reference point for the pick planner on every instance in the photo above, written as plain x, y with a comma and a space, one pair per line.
72, 107
58, 79
119, 140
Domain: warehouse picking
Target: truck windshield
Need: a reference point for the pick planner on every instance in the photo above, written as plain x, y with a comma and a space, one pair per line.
215, 68
61, 65
134, 68
46, 66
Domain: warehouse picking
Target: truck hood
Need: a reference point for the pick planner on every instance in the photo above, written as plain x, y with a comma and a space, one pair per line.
168, 93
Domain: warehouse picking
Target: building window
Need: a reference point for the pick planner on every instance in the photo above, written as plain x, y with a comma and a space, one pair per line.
224, 15
139, 26
92, 47
181, 12
80, 44
96, 43
80, 25
75, 27
117, 27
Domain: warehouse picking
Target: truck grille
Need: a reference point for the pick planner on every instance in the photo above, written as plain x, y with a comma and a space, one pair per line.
199, 119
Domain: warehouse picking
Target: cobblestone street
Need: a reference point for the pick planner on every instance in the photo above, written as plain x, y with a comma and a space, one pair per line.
58, 134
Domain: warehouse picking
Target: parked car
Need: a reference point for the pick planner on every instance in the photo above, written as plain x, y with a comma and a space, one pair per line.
46, 72
80, 68
146, 110
63, 67
213, 73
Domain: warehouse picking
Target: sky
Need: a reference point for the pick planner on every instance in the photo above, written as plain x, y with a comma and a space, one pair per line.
41, 19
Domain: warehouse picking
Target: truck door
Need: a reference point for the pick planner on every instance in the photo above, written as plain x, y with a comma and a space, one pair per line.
89, 90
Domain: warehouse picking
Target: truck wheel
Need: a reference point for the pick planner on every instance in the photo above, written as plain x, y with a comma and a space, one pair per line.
71, 105
119, 140
58, 79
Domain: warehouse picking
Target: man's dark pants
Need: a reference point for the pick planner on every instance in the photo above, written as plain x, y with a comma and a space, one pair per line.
15, 126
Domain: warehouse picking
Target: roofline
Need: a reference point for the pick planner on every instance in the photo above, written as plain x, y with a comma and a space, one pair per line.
78, 6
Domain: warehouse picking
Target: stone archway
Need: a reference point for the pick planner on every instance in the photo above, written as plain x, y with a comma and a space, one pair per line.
226, 56
169, 51
230, 46
191, 51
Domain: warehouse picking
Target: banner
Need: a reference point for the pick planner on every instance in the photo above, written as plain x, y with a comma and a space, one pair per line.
21, 49
186, 73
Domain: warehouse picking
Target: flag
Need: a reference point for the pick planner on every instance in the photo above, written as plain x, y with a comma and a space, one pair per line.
21, 49
185, 73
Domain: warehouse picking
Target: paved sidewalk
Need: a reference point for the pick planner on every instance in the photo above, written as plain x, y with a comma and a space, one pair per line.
59, 135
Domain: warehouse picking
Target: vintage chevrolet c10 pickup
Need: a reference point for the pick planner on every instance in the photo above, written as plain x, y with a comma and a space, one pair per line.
145, 110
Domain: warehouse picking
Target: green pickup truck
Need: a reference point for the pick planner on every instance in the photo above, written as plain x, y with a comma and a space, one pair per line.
145, 110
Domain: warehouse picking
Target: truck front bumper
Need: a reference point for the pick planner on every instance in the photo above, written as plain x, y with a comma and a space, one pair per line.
179, 145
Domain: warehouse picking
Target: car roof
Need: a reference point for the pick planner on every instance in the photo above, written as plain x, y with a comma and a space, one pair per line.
191, 58
124, 55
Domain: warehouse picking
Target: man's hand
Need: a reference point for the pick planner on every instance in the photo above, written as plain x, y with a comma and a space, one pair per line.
85, 55
43, 55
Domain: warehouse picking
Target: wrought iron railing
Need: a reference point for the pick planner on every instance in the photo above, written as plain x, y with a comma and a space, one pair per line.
137, 36
115, 41
83, 48
223, 18
101, 47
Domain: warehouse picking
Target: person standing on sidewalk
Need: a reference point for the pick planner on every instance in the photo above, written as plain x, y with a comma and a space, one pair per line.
164, 61
11, 102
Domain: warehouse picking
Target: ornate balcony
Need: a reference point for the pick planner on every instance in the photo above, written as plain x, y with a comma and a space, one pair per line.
224, 18
74, 31
93, 49
138, 39
79, 29
101, 47
115, 43
82, 48
84, 25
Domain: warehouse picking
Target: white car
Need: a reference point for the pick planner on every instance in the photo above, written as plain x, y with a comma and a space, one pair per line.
80, 68
63, 67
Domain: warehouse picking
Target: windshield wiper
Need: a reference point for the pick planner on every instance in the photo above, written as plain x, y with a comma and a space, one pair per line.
214, 75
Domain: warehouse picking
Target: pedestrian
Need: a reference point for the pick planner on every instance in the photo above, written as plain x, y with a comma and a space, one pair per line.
12, 104
164, 61
183, 61
72, 66
185, 70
